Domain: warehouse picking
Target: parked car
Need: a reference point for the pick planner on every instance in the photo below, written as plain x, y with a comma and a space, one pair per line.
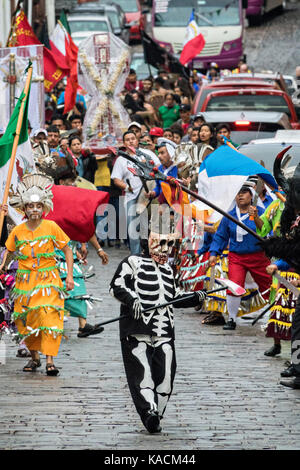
264, 151
248, 125
114, 12
286, 136
224, 85
252, 99
142, 69
135, 16
82, 26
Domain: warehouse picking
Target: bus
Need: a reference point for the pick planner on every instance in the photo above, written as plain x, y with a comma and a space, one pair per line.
221, 23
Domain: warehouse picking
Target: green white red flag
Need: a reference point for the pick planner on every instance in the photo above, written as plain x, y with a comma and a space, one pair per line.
66, 51
24, 162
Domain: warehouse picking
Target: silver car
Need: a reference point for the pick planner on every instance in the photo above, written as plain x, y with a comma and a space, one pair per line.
82, 26
265, 150
112, 10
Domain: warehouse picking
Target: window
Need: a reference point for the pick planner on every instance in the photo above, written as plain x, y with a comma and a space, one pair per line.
206, 12
114, 19
128, 6
78, 26
249, 103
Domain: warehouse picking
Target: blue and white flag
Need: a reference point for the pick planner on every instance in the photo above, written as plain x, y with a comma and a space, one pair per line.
192, 29
221, 176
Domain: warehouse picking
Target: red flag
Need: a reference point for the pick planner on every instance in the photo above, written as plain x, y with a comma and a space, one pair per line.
72, 80
24, 36
66, 51
192, 49
74, 210
57, 43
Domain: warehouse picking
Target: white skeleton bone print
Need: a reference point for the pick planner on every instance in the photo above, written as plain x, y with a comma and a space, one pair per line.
153, 284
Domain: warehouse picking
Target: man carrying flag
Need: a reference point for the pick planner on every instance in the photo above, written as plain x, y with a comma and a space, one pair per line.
222, 174
222, 179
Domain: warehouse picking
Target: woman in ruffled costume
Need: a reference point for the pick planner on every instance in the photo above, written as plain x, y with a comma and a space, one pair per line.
39, 293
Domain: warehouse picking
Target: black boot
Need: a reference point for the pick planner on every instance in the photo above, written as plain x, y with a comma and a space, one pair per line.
289, 372
273, 351
293, 383
230, 325
89, 330
151, 422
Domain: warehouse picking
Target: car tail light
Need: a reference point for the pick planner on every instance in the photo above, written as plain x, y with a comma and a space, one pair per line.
242, 123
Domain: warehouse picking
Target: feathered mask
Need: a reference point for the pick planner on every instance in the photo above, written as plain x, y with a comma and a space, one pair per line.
34, 187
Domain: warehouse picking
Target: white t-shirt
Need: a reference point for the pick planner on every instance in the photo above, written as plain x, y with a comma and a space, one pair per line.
122, 172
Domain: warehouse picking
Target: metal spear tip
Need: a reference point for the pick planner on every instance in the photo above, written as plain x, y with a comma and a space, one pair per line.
234, 288
113, 150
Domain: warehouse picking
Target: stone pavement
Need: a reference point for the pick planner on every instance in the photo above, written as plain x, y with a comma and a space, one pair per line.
226, 394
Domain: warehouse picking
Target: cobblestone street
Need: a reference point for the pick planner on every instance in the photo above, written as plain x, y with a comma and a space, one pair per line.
274, 44
226, 395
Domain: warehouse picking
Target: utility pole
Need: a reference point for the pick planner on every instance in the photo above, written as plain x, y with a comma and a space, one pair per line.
50, 15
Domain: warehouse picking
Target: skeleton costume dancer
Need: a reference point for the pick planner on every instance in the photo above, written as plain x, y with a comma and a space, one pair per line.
147, 339
287, 247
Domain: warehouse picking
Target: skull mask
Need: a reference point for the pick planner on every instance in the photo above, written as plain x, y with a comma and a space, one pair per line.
160, 246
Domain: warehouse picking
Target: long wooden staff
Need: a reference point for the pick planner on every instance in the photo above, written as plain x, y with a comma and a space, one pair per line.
15, 144
172, 302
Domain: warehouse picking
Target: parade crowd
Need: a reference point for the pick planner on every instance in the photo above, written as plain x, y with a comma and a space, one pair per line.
162, 127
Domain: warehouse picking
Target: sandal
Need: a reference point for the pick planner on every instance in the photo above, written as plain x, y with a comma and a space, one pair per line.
32, 365
23, 353
51, 369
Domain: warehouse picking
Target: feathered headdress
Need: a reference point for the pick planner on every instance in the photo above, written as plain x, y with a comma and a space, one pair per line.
34, 187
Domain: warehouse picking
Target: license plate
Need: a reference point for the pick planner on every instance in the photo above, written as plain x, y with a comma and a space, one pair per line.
198, 64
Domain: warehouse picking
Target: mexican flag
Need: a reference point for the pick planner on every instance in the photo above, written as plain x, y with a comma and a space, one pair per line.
24, 162
66, 53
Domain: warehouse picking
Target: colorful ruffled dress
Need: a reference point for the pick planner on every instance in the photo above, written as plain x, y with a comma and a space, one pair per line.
39, 293
281, 314
76, 307
192, 266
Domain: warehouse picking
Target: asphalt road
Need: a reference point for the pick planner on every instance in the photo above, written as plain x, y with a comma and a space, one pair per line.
275, 44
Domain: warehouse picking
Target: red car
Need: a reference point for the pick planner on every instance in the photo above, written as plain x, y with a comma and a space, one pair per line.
225, 85
135, 17
252, 99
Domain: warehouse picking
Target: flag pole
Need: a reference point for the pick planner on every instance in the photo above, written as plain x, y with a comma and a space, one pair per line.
15, 143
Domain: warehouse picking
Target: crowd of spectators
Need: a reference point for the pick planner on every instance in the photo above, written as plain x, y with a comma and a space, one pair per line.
158, 107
